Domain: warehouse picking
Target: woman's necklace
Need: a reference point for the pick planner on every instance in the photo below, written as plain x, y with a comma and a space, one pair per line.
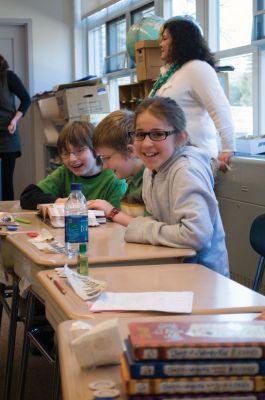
163, 78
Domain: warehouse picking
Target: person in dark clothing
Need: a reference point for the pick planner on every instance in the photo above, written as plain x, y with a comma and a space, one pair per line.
10, 147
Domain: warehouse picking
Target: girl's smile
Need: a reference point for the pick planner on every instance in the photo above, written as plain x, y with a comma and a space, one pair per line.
154, 153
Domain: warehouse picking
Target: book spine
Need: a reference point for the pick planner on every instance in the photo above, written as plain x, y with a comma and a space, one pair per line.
160, 369
223, 396
199, 353
195, 385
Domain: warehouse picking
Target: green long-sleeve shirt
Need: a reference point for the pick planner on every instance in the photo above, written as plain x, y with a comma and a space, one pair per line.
104, 185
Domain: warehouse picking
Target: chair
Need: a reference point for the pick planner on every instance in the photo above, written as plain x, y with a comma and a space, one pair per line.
257, 241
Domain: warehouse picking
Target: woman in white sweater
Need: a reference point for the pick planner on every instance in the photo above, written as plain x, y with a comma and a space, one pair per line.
190, 79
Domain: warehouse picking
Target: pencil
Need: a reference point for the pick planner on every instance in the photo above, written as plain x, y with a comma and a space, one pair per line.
59, 287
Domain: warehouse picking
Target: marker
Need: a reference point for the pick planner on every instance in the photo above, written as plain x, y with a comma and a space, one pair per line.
59, 287
22, 220
11, 227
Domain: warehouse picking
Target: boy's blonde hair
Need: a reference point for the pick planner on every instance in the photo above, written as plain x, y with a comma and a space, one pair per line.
113, 131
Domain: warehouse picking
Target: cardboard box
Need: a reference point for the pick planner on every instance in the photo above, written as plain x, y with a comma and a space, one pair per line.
251, 144
84, 100
148, 59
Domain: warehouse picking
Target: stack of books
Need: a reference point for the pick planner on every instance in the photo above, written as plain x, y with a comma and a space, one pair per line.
182, 360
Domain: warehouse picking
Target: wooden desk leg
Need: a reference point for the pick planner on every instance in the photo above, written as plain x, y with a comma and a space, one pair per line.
11, 338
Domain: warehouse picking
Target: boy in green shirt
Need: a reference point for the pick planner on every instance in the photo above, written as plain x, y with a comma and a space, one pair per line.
81, 164
112, 142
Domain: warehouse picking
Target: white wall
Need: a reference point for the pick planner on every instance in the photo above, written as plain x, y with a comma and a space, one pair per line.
52, 38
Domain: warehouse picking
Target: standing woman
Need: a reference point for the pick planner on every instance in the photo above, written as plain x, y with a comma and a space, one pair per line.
189, 78
10, 147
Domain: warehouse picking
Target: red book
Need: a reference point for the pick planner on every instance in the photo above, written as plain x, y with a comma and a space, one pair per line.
200, 340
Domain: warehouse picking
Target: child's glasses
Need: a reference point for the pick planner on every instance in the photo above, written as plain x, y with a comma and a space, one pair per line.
156, 135
76, 153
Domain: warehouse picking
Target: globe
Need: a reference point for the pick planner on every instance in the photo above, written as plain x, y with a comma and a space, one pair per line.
147, 28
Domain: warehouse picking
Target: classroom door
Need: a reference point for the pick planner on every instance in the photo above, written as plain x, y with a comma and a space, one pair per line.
13, 46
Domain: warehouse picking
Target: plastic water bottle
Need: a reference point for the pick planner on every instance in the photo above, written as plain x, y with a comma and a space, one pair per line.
76, 220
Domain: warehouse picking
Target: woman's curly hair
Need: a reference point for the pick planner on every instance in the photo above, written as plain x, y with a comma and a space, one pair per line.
3, 64
187, 42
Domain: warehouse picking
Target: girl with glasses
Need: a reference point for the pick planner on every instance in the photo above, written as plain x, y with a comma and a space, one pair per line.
80, 164
177, 187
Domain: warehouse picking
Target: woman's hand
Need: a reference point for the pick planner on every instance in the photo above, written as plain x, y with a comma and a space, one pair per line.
100, 205
13, 123
224, 160
12, 127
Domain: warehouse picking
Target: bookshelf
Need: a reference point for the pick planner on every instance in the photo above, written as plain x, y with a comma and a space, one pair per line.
132, 94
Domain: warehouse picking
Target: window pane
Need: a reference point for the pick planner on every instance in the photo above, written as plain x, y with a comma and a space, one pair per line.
184, 7
235, 23
240, 92
116, 45
142, 12
97, 50
260, 5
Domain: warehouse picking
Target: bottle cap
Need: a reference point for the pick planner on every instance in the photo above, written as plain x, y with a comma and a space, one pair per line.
101, 385
76, 186
82, 248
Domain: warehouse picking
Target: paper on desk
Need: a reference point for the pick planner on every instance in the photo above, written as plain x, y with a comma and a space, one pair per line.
174, 302
46, 243
84, 286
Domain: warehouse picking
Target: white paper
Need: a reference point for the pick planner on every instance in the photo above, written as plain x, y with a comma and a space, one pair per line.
174, 302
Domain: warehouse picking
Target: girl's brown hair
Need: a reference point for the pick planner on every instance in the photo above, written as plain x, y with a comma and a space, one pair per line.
163, 108
3, 64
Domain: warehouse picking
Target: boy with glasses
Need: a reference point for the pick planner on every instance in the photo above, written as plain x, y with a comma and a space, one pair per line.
80, 164
113, 143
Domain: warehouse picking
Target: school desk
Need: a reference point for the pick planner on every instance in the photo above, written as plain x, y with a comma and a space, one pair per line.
13, 206
106, 247
213, 293
75, 381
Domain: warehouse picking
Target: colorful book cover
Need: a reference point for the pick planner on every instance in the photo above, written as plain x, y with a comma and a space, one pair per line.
210, 396
182, 368
198, 385
187, 340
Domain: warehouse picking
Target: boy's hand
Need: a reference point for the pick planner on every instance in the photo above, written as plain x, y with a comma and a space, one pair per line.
100, 205
60, 200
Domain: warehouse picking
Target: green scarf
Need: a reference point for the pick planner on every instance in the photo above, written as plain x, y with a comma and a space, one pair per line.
163, 78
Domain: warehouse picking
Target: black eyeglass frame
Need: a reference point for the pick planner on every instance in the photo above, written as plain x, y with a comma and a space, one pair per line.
149, 134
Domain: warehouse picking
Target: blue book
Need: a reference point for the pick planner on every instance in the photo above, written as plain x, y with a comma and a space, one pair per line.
191, 368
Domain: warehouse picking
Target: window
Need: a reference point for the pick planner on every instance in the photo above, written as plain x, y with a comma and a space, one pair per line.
234, 48
97, 50
231, 32
116, 44
240, 92
184, 7
142, 12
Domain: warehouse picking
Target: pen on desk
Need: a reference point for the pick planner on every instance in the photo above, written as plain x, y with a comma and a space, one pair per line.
22, 220
59, 287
